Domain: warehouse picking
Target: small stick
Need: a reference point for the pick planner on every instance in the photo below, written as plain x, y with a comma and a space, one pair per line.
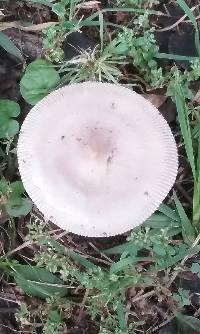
178, 22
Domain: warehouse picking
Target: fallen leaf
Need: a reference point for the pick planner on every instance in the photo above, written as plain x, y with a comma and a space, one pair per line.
18, 25
89, 5
156, 100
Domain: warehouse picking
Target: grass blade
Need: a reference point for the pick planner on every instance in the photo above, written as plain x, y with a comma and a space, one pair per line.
185, 126
174, 57
192, 18
121, 312
9, 46
170, 213
188, 230
101, 26
71, 9
196, 196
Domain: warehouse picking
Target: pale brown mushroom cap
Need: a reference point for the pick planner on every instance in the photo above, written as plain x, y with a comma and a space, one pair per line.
97, 159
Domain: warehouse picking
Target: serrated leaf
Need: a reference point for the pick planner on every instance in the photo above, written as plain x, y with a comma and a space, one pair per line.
38, 282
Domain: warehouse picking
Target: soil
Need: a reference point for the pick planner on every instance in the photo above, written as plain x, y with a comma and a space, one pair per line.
174, 40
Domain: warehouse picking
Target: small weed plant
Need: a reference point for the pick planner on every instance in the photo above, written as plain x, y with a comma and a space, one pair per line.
113, 285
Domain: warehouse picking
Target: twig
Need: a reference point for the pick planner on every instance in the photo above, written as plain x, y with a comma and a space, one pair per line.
184, 193
14, 330
17, 25
146, 295
102, 254
82, 305
195, 243
25, 244
162, 324
178, 22
10, 300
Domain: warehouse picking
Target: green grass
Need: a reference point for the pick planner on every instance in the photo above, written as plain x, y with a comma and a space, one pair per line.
154, 254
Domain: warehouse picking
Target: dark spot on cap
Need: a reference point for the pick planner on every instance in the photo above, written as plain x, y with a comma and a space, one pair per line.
78, 139
146, 193
62, 137
113, 105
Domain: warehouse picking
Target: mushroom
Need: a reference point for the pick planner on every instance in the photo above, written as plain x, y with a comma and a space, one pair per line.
97, 159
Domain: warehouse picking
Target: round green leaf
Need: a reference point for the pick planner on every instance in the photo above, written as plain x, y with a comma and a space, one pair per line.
39, 79
17, 207
8, 126
17, 189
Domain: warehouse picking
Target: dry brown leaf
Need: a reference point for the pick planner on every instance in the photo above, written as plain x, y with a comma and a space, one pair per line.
89, 4
18, 25
156, 100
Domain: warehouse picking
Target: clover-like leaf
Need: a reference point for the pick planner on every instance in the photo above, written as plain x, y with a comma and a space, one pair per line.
196, 268
8, 111
39, 79
16, 204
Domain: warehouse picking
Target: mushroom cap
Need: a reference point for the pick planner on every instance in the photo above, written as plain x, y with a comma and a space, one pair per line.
97, 159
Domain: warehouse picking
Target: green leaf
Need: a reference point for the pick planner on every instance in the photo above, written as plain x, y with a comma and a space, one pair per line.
188, 230
9, 46
84, 262
17, 189
183, 251
159, 250
196, 268
54, 316
192, 18
122, 264
128, 247
121, 312
8, 126
59, 8
17, 207
182, 297
38, 282
188, 324
4, 188
39, 79
158, 221
184, 125
174, 57
170, 213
